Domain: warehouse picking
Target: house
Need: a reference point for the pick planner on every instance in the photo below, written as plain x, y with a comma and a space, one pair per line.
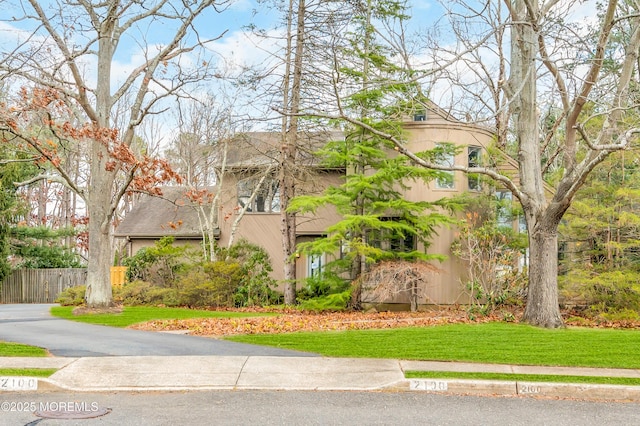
172, 214
251, 162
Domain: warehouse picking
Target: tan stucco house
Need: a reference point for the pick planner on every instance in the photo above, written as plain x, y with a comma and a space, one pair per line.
251, 154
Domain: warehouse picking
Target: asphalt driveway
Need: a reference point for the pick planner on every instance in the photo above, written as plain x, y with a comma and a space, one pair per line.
33, 325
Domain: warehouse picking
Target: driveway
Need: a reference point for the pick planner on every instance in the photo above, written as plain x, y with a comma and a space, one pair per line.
33, 325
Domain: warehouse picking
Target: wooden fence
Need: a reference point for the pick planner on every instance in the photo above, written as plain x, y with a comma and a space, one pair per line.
40, 285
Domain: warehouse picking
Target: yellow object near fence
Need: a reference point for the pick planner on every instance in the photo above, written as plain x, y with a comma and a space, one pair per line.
118, 276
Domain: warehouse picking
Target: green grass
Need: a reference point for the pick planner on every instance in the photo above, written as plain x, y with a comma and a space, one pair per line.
31, 372
628, 381
135, 314
498, 343
18, 349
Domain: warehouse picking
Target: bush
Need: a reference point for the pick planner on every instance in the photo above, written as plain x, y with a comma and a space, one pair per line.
385, 280
210, 284
491, 253
72, 296
314, 287
328, 292
331, 302
158, 265
144, 293
256, 286
602, 292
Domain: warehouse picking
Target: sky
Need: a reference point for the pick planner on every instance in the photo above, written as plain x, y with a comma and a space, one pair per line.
235, 47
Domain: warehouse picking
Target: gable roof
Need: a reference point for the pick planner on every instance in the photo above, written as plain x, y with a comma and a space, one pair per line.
262, 149
172, 214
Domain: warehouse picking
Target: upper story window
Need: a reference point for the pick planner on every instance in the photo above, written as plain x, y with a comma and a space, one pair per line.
420, 116
445, 180
474, 154
261, 198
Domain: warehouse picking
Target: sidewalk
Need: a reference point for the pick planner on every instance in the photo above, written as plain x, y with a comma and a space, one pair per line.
161, 373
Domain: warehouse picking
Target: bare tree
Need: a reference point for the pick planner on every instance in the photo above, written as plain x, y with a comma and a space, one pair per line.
70, 56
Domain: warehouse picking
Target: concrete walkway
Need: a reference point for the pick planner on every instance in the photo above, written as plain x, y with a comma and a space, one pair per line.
162, 373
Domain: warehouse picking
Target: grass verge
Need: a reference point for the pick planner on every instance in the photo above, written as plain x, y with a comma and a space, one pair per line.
135, 314
628, 381
18, 349
30, 372
497, 343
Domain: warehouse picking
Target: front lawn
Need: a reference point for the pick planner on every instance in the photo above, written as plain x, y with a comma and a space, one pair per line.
18, 349
30, 372
135, 314
498, 343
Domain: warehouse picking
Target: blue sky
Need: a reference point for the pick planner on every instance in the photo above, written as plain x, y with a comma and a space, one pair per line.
237, 43
236, 46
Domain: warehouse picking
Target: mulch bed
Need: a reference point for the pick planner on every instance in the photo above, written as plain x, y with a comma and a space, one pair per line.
291, 321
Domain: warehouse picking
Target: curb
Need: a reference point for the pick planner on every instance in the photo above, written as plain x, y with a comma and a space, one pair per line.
618, 393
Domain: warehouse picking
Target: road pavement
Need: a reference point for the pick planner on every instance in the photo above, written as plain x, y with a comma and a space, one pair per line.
271, 408
32, 324
126, 360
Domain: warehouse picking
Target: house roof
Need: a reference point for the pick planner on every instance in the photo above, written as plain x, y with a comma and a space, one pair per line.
261, 149
171, 214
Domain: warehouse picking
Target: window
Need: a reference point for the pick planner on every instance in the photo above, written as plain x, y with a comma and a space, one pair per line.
503, 215
474, 160
420, 116
445, 158
386, 239
314, 265
265, 199
522, 224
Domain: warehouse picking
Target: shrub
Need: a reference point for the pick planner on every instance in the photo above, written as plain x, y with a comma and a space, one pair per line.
314, 287
144, 293
491, 253
256, 286
210, 284
387, 279
72, 296
330, 302
327, 283
601, 292
159, 264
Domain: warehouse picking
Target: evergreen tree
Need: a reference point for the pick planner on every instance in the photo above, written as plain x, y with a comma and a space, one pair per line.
378, 223
12, 169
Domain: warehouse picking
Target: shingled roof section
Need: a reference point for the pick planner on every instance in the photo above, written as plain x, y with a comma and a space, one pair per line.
262, 149
171, 214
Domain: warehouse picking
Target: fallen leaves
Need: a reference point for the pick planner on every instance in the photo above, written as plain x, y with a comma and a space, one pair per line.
292, 322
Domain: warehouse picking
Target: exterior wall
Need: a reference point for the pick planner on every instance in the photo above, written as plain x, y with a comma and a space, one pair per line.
446, 286
263, 229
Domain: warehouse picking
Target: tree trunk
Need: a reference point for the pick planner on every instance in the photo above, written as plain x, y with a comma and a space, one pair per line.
542, 297
99, 293
542, 307
542, 301
289, 152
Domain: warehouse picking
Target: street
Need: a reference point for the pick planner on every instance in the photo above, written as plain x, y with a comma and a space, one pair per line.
309, 408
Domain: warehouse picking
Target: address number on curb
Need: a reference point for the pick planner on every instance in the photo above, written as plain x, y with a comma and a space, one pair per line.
18, 383
429, 385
